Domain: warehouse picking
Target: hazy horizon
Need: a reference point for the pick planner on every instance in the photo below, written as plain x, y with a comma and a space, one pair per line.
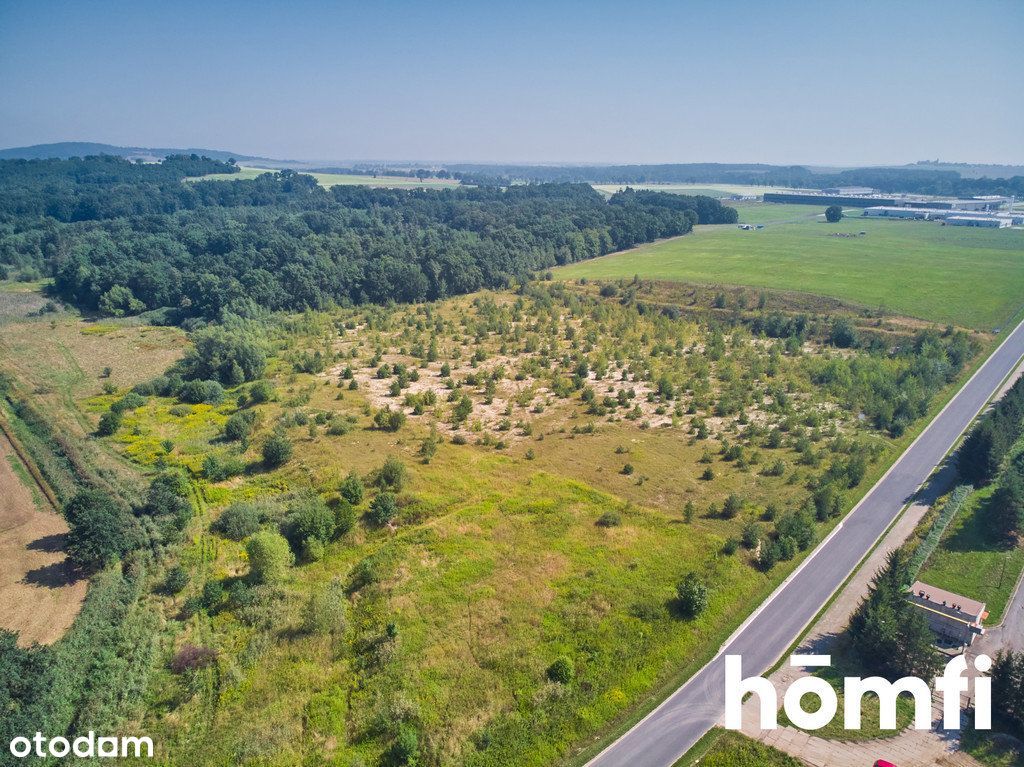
552, 83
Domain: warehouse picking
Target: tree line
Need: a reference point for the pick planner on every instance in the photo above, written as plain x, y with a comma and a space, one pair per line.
910, 180
282, 242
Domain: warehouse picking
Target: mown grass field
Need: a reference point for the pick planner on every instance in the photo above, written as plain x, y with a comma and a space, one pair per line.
336, 179
971, 562
709, 189
969, 277
727, 748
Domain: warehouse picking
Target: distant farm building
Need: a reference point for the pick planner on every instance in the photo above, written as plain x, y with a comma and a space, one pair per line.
951, 616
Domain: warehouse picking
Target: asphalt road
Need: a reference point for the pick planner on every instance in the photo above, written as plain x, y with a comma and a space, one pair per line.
669, 731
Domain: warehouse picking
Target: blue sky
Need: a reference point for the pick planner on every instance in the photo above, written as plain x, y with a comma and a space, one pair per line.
785, 82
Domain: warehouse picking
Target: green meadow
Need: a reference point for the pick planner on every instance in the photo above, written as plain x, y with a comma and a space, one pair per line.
965, 276
246, 172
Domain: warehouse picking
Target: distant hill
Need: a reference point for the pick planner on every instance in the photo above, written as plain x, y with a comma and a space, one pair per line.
66, 149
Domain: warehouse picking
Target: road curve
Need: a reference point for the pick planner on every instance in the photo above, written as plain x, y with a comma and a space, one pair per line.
668, 732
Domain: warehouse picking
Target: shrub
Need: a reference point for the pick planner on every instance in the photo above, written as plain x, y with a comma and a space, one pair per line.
201, 392
406, 748
213, 595
733, 505
261, 392
344, 518
833, 213
277, 450
561, 670
309, 518
609, 519
383, 508
751, 535
238, 521
191, 658
628, 469
110, 422
176, 580
351, 489
239, 426
269, 556
708, 475
693, 595
214, 468
387, 419
392, 475
326, 611
129, 401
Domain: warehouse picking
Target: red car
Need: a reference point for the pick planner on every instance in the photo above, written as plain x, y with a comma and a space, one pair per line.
884, 763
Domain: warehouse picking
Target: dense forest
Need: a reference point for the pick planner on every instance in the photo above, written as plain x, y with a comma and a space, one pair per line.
891, 180
122, 238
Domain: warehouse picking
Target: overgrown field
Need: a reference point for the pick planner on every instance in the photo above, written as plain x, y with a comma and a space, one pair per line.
556, 463
968, 277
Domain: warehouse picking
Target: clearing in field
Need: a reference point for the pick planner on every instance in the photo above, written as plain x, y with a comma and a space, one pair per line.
968, 277
339, 179
40, 593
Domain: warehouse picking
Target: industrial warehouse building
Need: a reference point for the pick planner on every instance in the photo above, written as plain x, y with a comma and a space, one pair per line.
952, 217
979, 204
953, 617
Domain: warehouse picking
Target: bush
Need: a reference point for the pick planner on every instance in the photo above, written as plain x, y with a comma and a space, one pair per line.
239, 426
383, 508
392, 475
190, 658
201, 392
833, 213
326, 611
387, 419
261, 392
609, 519
406, 748
269, 556
213, 595
351, 488
215, 469
693, 595
562, 670
110, 422
129, 401
733, 505
309, 518
238, 521
176, 580
277, 450
344, 518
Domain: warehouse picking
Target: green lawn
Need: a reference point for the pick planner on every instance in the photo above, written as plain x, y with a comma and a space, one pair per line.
969, 562
969, 277
710, 189
727, 748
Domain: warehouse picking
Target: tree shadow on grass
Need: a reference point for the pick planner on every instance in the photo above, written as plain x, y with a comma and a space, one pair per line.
51, 544
54, 576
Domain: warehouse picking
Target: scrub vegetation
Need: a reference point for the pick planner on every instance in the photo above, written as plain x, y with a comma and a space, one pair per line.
471, 529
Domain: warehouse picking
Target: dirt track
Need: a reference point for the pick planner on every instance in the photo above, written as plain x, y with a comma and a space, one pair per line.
40, 594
